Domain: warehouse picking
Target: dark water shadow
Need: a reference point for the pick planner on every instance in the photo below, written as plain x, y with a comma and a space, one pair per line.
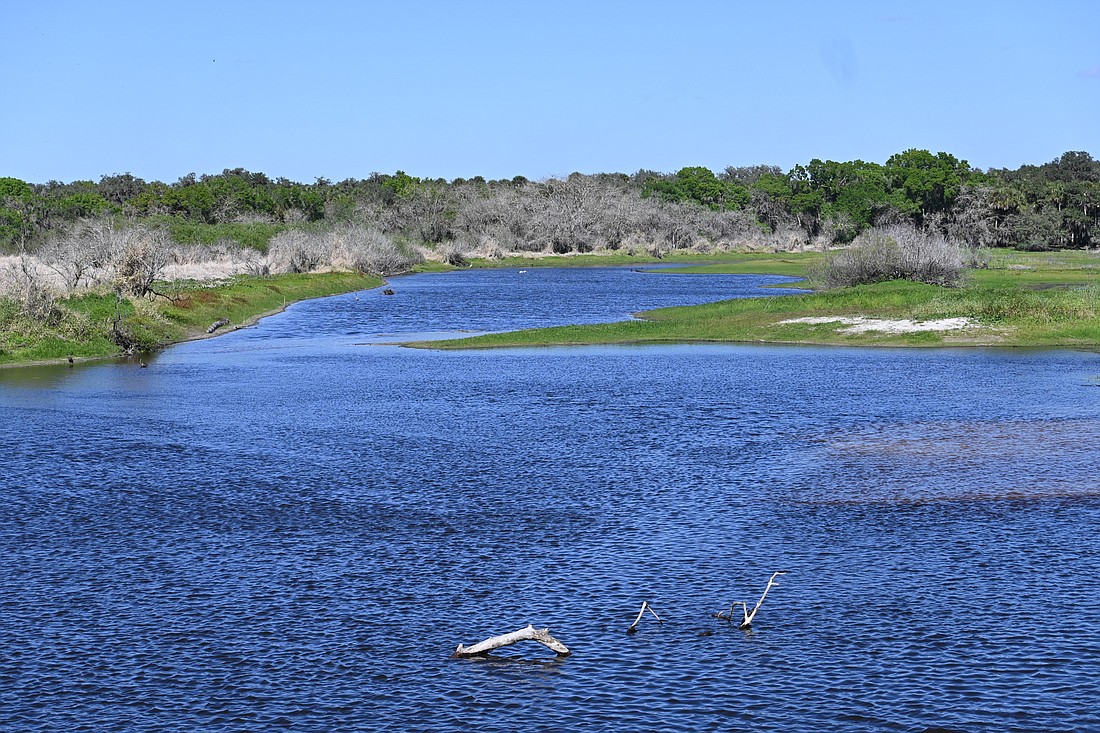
505, 661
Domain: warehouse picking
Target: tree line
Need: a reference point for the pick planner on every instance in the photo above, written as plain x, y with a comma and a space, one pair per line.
1051, 206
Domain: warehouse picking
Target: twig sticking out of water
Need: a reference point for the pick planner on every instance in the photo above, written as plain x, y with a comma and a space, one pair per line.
634, 626
747, 616
530, 633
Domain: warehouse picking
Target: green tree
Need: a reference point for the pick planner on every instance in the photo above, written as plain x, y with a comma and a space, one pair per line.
772, 198
121, 188
926, 183
20, 211
699, 185
851, 194
81, 205
193, 200
401, 185
295, 199
1053, 205
151, 200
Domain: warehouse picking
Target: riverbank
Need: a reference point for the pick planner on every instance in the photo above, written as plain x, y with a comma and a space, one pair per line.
82, 326
96, 325
1049, 299
1023, 299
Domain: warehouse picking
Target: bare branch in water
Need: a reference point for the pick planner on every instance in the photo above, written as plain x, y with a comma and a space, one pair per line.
530, 633
645, 606
748, 616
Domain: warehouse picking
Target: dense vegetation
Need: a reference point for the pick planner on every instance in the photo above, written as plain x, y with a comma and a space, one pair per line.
84, 265
1046, 207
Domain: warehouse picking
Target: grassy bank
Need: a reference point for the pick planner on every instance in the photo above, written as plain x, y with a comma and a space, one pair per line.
1023, 299
791, 264
95, 325
621, 258
685, 261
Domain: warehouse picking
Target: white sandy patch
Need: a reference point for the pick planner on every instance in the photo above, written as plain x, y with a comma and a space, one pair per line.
859, 324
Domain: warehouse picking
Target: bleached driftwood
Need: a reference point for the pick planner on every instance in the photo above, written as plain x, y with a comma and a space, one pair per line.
530, 633
747, 616
634, 626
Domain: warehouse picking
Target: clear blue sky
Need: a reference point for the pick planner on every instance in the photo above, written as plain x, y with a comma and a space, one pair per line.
340, 89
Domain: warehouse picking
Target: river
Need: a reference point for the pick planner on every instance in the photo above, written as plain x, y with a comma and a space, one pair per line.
293, 526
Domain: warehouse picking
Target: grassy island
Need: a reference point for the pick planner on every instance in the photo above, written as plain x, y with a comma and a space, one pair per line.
1049, 299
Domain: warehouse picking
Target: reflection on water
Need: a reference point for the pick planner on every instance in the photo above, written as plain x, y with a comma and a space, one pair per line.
282, 528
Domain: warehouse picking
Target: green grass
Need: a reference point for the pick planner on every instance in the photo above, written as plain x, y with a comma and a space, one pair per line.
791, 264
83, 325
255, 235
434, 266
1024, 299
619, 258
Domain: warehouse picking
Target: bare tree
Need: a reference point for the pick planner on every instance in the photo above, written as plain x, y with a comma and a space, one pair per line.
81, 255
140, 254
296, 250
368, 250
748, 616
22, 281
356, 247
746, 175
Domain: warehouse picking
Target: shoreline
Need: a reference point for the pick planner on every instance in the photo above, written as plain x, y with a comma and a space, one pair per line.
1044, 300
197, 331
248, 323
1047, 283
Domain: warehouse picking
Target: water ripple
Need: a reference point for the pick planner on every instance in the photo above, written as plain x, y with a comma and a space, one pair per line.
244, 537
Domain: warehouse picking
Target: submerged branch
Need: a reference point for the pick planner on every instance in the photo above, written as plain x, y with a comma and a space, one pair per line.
645, 605
748, 616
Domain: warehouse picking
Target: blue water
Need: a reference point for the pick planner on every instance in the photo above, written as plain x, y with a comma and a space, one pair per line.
293, 526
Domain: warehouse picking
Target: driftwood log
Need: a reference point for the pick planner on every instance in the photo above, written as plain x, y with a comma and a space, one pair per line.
217, 324
530, 633
747, 616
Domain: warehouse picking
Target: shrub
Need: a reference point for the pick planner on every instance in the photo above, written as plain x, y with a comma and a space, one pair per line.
349, 246
296, 250
140, 257
452, 255
370, 251
897, 252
